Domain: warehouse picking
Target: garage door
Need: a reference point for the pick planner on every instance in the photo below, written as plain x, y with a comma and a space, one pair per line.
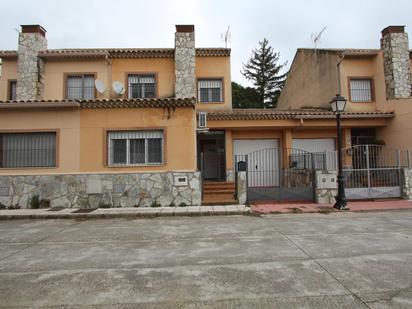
325, 146
262, 160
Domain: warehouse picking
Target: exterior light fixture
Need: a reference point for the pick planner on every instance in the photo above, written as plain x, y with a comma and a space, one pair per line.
338, 105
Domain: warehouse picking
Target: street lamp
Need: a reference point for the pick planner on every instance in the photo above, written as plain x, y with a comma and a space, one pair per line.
338, 105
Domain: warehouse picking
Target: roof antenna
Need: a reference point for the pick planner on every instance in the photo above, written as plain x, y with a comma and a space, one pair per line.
315, 37
226, 37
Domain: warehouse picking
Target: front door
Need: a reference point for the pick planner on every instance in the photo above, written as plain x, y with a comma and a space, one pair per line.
211, 151
210, 160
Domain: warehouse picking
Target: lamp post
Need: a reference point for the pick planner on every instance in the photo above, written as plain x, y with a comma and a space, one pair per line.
338, 105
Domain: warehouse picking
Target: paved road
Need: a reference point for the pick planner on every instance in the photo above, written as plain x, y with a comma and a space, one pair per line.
347, 260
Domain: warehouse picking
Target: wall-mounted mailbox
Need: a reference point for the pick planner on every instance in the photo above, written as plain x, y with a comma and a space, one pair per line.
180, 181
241, 166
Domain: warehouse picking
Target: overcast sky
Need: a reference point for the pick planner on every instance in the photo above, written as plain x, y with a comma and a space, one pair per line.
287, 24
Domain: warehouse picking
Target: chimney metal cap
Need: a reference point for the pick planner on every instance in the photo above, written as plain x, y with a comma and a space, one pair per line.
33, 29
185, 28
393, 29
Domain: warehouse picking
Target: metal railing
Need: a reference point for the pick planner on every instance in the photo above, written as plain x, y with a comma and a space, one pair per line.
367, 166
363, 140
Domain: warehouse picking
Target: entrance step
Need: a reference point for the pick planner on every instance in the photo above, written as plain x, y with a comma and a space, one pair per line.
218, 193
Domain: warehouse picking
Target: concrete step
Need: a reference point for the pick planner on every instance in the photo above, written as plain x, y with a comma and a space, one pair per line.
218, 191
218, 185
221, 202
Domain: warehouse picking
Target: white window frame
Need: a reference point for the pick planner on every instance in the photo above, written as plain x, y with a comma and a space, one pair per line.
81, 76
199, 84
135, 134
141, 76
361, 79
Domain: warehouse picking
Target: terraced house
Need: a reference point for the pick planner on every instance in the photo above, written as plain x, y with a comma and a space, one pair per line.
155, 126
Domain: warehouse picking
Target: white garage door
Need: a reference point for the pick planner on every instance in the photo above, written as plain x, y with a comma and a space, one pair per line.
263, 160
246, 146
317, 145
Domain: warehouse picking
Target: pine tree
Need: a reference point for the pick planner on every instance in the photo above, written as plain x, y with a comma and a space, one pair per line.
263, 70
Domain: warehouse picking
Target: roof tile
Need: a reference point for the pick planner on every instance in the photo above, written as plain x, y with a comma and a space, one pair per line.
103, 103
264, 114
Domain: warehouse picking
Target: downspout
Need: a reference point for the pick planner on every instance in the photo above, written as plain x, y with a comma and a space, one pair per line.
109, 75
342, 56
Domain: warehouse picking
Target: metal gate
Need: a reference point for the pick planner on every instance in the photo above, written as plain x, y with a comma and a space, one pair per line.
373, 171
270, 176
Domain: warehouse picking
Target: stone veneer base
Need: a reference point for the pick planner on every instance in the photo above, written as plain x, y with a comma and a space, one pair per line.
94, 190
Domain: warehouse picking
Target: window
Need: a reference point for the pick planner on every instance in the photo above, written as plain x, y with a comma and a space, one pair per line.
361, 90
135, 147
28, 149
12, 90
210, 90
141, 86
80, 87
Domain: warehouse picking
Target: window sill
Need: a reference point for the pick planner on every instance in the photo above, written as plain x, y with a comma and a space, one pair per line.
219, 102
361, 102
134, 165
28, 168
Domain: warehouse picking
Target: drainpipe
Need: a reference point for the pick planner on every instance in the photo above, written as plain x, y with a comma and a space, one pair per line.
342, 56
109, 75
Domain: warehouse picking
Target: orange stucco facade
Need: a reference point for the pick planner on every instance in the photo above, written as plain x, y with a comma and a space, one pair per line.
396, 133
179, 137
82, 132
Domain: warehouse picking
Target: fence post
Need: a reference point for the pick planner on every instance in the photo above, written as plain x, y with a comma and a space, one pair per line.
368, 170
398, 158
408, 155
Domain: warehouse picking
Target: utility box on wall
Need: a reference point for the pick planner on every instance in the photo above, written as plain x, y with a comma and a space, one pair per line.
180, 181
326, 180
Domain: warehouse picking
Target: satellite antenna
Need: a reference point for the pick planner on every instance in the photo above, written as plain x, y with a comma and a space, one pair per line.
118, 87
316, 38
226, 37
100, 87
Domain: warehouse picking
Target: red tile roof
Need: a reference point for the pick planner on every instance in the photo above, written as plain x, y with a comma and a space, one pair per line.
120, 53
266, 114
101, 103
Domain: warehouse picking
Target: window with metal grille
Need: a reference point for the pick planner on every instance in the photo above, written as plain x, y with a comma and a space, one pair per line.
12, 90
80, 87
209, 90
141, 86
361, 90
37, 149
135, 147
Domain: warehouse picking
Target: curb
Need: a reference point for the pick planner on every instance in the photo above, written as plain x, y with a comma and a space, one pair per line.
91, 216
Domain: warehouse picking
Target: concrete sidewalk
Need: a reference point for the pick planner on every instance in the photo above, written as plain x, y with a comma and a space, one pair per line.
342, 260
357, 206
71, 213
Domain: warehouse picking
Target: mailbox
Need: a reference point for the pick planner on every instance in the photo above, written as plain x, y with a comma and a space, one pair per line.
241, 166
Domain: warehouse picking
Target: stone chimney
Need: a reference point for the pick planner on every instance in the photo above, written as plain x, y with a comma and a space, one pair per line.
185, 61
30, 67
395, 47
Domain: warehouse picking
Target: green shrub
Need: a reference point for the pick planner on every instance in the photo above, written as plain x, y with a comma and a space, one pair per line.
34, 201
2, 206
172, 204
15, 206
155, 204
103, 205
182, 204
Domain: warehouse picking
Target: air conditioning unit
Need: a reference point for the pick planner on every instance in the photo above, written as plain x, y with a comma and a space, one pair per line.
202, 121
